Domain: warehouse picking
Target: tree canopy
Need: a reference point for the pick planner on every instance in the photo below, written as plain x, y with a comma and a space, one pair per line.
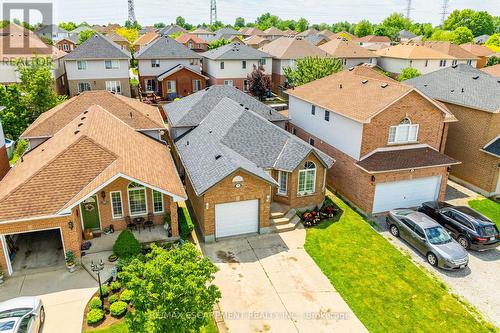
68, 26
408, 73
259, 81
218, 43
363, 28
84, 35
480, 23
172, 290
311, 68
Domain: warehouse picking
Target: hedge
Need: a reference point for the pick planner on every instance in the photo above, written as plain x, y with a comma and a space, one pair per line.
95, 303
116, 286
94, 316
126, 295
185, 223
118, 308
126, 245
113, 298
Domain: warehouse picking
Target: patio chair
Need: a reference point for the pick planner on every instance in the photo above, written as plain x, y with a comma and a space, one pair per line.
149, 222
130, 225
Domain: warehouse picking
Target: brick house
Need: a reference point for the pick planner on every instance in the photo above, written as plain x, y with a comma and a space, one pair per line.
230, 64
285, 52
67, 44
145, 40
95, 168
236, 180
98, 64
169, 69
4, 157
192, 42
474, 98
386, 137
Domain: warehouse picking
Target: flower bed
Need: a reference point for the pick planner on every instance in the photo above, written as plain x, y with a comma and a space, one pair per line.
328, 211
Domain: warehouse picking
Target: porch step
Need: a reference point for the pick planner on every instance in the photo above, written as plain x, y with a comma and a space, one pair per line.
276, 215
285, 218
291, 225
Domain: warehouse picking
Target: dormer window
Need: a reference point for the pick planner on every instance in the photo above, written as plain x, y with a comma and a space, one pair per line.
405, 132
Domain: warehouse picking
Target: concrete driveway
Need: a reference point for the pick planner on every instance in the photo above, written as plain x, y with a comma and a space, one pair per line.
270, 284
478, 284
64, 296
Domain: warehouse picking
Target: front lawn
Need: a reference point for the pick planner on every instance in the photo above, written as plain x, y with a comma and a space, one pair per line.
384, 288
488, 208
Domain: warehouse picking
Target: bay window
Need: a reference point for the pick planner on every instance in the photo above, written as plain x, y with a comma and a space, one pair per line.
307, 179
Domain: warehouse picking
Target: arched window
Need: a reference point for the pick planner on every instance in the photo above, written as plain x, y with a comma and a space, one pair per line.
137, 203
307, 179
405, 132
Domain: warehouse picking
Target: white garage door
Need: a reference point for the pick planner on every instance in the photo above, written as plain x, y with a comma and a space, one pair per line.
405, 194
236, 218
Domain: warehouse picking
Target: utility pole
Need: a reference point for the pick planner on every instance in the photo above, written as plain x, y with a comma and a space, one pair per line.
444, 13
131, 12
213, 11
408, 9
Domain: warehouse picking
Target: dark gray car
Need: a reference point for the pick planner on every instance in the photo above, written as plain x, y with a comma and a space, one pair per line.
428, 237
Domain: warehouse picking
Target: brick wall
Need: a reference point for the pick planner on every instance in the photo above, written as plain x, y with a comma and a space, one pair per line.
184, 82
237, 82
4, 161
292, 199
413, 106
99, 84
466, 137
71, 238
355, 184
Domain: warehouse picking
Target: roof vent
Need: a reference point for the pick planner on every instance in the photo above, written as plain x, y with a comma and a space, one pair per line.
218, 156
475, 77
270, 112
452, 90
454, 66
187, 143
462, 89
76, 132
80, 124
351, 68
210, 131
364, 81
340, 86
241, 104
246, 108
130, 114
385, 85
83, 118
206, 89
86, 111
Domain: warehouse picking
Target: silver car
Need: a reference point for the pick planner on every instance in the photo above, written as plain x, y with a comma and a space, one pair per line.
428, 237
22, 315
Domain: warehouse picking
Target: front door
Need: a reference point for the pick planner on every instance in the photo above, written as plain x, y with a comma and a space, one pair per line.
90, 213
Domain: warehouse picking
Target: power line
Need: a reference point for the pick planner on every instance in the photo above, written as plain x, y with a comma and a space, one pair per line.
408, 9
131, 11
444, 12
213, 11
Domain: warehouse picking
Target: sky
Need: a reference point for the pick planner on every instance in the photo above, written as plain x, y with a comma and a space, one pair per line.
197, 11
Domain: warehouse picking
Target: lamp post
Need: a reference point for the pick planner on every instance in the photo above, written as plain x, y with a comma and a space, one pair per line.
97, 268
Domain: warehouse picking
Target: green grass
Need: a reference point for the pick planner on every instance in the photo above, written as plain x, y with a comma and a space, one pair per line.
121, 327
384, 288
488, 208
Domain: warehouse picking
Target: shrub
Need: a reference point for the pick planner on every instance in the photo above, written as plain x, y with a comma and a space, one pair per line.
21, 147
113, 298
95, 303
185, 223
126, 295
126, 245
167, 219
94, 316
104, 290
118, 308
115, 286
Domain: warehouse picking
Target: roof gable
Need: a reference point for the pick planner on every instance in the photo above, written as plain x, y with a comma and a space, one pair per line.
235, 51
166, 48
97, 47
292, 48
412, 51
340, 48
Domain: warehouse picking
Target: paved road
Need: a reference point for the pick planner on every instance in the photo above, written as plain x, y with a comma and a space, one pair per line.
270, 284
64, 296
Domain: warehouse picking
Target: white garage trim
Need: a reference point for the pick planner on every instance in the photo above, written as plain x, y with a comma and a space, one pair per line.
236, 218
405, 193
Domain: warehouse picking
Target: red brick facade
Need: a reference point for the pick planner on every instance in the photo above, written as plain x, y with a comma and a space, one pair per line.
4, 162
237, 82
184, 83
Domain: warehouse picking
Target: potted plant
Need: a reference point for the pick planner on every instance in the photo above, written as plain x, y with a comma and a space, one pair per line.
70, 261
166, 222
113, 258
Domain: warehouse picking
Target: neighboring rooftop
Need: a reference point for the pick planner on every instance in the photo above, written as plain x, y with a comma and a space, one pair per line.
255, 40
184, 38
477, 50
227, 31
116, 37
251, 31
89, 151
290, 47
327, 33
317, 39
340, 48
405, 34
493, 147
308, 32
171, 30
481, 39
191, 110
235, 51
451, 49
203, 31
135, 114
412, 51
492, 70
166, 48
372, 39
51, 29
461, 85
273, 31
359, 93
146, 38
231, 138
97, 47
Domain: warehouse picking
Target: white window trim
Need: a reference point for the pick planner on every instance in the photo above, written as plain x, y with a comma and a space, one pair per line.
143, 188
171, 83
113, 63
196, 85
305, 193
112, 208
153, 201
229, 81
78, 87
280, 175
246, 85
84, 63
398, 127
114, 86
155, 63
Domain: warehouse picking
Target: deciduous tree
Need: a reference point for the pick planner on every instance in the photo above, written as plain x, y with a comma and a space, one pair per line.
363, 28
408, 73
218, 43
462, 35
259, 81
84, 35
311, 68
239, 22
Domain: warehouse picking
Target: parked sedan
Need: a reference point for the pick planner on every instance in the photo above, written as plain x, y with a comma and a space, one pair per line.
471, 229
22, 315
428, 237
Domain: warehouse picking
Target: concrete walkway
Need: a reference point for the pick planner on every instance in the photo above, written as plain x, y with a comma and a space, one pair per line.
270, 284
64, 296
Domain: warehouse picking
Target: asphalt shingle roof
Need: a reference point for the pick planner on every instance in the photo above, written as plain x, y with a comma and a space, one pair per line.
231, 138
97, 47
493, 147
316, 39
191, 110
171, 29
235, 51
461, 85
166, 48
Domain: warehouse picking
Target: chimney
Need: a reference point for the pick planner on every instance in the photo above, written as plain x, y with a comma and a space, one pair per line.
4, 159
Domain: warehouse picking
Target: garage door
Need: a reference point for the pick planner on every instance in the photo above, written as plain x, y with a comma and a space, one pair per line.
236, 218
405, 194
